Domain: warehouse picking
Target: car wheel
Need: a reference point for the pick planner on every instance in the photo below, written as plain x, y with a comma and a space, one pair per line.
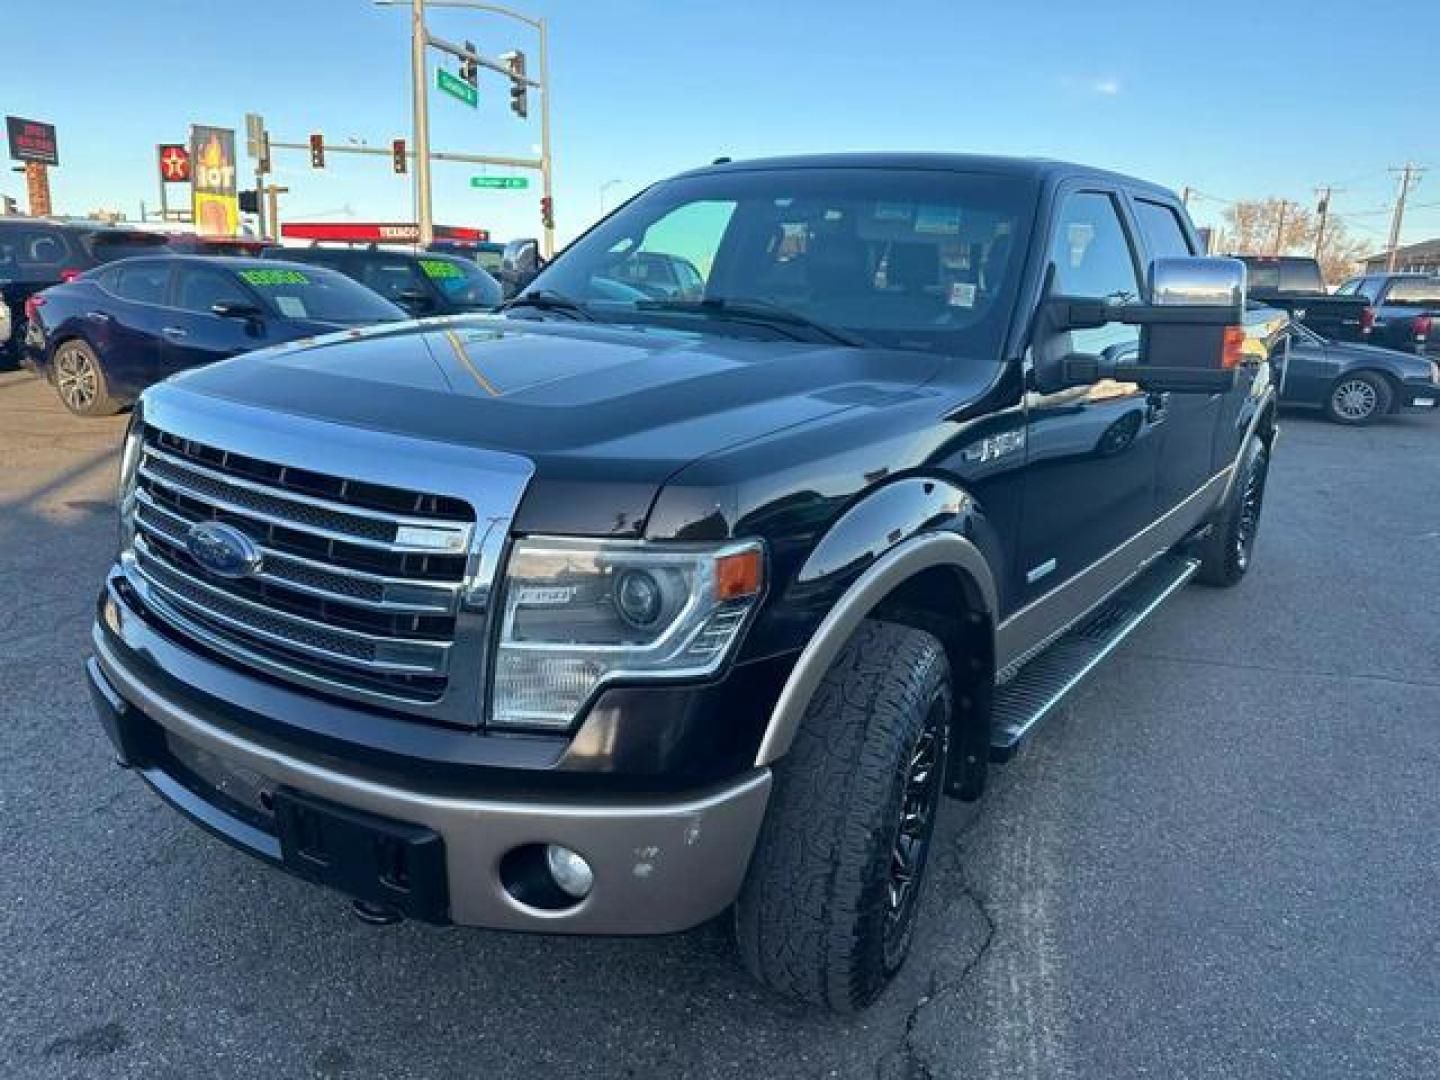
828, 908
1358, 399
75, 371
1228, 550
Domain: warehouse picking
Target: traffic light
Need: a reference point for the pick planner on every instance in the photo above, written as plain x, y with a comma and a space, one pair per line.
547, 212
397, 151
317, 151
469, 69
250, 201
519, 91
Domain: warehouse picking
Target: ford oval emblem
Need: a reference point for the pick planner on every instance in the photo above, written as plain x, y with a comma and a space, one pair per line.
222, 549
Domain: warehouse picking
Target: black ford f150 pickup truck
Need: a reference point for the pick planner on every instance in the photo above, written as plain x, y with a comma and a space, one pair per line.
1294, 284
616, 612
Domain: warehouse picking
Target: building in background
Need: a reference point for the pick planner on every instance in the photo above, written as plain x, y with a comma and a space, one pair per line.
1423, 257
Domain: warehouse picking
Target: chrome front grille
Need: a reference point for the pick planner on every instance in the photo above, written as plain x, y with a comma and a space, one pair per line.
360, 587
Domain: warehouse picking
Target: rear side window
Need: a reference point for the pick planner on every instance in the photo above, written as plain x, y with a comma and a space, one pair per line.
143, 283
392, 278
1300, 276
1161, 228
1414, 292
32, 249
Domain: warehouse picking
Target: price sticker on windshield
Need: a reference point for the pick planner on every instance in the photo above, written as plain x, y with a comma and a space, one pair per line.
273, 278
439, 269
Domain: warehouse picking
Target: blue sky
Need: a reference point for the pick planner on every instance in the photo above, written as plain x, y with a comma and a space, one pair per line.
1266, 97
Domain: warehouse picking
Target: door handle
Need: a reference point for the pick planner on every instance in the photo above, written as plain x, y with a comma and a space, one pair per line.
1157, 406
174, 331
98, 316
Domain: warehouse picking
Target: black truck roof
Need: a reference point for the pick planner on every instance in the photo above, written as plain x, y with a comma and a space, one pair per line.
1030, 167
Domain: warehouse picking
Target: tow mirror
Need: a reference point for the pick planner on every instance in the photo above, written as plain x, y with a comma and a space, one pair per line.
1192, 334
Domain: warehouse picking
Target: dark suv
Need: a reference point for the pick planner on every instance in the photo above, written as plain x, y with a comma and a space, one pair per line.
423, 283
619, 611
36, 253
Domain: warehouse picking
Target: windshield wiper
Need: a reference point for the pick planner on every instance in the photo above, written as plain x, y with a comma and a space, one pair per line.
754, 311
548, 300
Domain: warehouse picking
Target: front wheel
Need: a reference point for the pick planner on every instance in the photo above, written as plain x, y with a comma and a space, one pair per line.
75, 370
827, 912
1361, 398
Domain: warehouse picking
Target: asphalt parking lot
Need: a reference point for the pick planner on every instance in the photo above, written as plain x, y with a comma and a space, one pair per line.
1221, 860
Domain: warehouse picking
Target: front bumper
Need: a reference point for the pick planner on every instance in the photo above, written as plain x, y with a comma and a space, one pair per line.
660, 865
1419, 395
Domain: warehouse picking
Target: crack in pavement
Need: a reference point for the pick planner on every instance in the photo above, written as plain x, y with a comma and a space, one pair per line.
915, 1067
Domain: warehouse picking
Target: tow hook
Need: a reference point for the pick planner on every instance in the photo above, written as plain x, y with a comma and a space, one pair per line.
375, 914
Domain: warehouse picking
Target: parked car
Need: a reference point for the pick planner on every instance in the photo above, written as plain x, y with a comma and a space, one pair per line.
1403, 310
1295, 284
104, 337
486, 254
36, 253
566, 622
422, 283
1356, 384
657, 274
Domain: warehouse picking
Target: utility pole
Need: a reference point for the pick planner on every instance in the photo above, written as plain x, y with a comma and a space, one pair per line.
1409, 173
1185, 196
1323, 210
272, 217
1280, 226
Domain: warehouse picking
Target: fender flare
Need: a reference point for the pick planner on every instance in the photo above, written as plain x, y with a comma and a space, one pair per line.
903, 561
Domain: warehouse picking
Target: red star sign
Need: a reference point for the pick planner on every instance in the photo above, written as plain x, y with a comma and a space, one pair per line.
174, 164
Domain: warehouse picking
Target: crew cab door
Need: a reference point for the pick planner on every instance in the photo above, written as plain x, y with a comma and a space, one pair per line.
1090, 481
1185, 423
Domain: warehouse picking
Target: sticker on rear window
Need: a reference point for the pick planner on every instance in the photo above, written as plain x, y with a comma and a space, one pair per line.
272, 278
962, 294
292, 307
439, 269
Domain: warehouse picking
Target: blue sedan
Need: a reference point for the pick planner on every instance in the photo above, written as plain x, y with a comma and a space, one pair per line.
105, 336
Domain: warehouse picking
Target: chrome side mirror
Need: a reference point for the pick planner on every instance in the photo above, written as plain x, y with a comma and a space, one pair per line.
1207, 282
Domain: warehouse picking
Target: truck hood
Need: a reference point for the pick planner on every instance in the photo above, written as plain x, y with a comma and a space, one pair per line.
604, 414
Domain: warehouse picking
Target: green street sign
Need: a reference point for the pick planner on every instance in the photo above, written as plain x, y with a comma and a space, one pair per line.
456, 87
500, 181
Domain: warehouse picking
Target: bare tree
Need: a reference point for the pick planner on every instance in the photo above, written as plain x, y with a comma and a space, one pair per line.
1276, 226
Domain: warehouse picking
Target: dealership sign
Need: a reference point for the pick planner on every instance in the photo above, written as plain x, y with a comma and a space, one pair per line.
32, 141
212, 181
174, 163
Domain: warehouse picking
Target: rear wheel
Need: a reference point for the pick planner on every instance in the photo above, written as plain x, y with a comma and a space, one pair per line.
75, 370
828, 910
1357, 399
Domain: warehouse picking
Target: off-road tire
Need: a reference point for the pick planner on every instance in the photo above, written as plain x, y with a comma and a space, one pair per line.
815, 919
1226, 553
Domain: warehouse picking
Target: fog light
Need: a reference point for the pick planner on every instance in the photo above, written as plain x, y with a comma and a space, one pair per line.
570, 871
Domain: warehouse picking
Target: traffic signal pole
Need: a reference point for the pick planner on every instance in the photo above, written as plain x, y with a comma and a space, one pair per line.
419, 39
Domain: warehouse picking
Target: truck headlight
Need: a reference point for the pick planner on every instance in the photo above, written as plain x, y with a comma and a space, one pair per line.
130, 451
578, 614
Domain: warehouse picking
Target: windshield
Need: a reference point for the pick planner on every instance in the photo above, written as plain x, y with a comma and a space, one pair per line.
1284, 275
463, 283
911, 259
1414, 292
312, 292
